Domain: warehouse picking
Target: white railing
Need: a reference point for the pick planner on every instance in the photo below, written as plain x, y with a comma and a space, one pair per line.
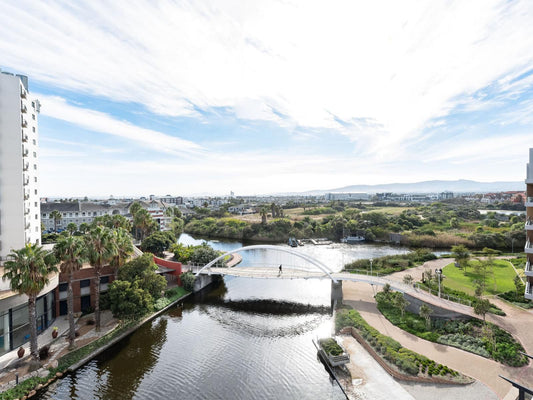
528, 267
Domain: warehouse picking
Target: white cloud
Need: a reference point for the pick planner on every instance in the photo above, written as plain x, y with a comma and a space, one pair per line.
58, 108
399, 64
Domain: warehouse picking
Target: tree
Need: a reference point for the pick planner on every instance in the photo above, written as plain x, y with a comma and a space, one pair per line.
84, 227
56, 216
101, 249
386, 289
401, 302
143, 221
124, 248
263, 212
454, 223
203, 254
158, 242
141, 271
461, 255
127, 300
408, 279
69, 251
27, 270
187, 280
181, 252
425, 312
177, 225
482, 307
72, 227
173, 212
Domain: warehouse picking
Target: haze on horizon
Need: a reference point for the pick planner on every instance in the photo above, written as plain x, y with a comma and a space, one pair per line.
262, 97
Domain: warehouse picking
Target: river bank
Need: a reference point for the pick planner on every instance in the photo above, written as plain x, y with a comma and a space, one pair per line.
61, 360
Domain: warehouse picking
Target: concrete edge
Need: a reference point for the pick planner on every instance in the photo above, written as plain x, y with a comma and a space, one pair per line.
85, 360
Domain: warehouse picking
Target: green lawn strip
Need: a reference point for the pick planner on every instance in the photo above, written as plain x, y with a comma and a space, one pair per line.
405, 360
498, 279
75, 356
487, 340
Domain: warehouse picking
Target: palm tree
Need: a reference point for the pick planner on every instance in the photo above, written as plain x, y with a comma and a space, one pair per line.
143, 220
69, 251
124, 248
56, 215
27, 270
100, 251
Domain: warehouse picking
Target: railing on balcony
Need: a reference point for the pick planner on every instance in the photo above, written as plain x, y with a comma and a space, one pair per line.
528, 246
26, 196
22, 93
529, 199
25, 152
528, 267
529, 291
23, 109
26, 211
24, 137
26, 167
24, 123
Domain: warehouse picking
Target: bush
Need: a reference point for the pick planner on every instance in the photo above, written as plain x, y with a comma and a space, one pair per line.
44, 352
187, 281
128, 300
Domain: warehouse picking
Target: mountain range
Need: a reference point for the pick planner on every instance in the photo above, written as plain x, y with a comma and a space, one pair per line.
436, 186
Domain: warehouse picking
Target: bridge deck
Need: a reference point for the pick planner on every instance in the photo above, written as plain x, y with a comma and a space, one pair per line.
290, 273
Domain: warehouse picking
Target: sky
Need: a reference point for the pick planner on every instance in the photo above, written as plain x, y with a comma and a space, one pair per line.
257, 97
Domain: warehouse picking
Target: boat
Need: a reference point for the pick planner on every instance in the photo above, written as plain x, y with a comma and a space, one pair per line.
293, 242
332, 352
353, 239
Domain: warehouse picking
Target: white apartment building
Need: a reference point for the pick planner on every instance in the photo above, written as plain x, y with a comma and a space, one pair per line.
20, 221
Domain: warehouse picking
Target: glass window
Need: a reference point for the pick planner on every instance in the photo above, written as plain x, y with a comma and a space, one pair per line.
85, 283
63, 287
104, 279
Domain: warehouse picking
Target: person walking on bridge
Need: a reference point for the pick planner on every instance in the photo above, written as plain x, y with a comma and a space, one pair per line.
280, 269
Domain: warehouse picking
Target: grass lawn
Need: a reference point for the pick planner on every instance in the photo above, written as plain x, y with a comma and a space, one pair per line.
388, 210
499, 279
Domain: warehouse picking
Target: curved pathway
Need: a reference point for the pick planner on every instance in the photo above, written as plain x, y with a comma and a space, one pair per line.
518, 322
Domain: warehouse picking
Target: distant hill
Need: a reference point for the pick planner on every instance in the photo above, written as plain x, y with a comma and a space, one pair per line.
458, 186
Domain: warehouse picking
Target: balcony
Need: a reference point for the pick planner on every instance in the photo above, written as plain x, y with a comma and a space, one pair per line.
23, 109
529, 224
25, 180
25, 152
529, 201
26, 211
26, 167
24, 123
27, 226
24, 138
529, 291
528, 248
26, 196
22, 93
528, 269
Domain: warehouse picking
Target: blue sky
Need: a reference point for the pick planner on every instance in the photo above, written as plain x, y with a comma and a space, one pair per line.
255, 97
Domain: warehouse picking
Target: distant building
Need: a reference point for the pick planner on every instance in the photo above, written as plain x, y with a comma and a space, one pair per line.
529, 228
346, 196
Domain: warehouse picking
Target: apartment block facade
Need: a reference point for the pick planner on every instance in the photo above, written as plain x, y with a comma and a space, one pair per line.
529, 228
20, 221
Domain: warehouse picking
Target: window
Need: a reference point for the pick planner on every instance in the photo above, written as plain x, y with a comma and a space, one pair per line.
34, 154
63, 287
33, 117
34, 141
44, 215
35, 191
36, 229
33, 104
35, 180
35, 204
36, 216
104, 279
33, 130
85, 283
34, 166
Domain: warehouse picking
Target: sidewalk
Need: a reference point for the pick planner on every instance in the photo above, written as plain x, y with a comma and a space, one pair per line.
361, 297
10, 364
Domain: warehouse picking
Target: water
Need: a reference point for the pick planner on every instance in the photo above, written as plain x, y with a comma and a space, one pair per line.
243, 339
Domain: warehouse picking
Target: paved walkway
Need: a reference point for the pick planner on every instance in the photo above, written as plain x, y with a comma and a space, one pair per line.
361, 297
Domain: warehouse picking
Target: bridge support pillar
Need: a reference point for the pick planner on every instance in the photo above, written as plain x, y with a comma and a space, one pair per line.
336, 291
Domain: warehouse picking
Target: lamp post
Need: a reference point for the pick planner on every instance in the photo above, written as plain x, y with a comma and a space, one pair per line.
512, 245
438, 272
371, 266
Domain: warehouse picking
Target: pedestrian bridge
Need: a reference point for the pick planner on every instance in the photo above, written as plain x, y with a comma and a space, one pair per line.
319, 270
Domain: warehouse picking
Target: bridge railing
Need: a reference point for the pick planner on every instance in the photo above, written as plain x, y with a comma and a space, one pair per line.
445, 296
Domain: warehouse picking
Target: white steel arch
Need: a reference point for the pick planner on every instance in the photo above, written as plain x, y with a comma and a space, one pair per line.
322, 267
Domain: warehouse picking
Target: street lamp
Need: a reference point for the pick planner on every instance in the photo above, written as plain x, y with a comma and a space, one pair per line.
438, 272
371, 266
512, 245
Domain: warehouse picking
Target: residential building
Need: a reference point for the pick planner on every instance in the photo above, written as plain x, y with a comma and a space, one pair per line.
20, 221
79, 212
529, 228
347, 196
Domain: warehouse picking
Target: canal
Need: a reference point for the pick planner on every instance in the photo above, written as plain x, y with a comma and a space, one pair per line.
241, 339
